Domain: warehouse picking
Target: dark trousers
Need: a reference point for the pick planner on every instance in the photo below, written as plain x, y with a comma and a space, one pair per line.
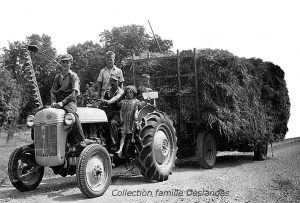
114, 123
76, 134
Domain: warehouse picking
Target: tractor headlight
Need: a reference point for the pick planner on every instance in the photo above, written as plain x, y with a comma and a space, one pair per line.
69, 119
29, 121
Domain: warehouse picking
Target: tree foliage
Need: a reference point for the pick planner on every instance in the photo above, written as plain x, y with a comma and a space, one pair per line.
88, 60
13, 61
10, 99
89, 57
132, 39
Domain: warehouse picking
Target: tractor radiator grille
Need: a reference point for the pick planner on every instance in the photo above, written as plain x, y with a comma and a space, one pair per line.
45, 140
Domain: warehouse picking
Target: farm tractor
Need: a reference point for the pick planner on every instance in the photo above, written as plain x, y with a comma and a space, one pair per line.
152, 147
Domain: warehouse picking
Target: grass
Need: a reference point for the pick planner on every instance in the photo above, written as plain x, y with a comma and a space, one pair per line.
21, 137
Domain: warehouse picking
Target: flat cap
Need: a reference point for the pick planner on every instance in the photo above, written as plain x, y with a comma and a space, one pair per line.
146, 76
66, 57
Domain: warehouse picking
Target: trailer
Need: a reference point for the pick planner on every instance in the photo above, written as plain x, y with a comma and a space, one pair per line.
192, 94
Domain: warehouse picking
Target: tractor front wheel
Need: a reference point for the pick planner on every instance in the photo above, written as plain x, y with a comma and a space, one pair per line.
24, 173
94, 170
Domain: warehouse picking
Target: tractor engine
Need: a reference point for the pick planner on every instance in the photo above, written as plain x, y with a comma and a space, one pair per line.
50, 136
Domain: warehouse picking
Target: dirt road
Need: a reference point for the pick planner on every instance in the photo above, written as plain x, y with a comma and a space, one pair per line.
235, 178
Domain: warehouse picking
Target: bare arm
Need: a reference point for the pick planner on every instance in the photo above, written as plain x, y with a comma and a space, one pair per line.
116, 98
121, 81
136, 113
121, 117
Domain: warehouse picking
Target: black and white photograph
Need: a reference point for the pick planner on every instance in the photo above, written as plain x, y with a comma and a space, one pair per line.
149, 101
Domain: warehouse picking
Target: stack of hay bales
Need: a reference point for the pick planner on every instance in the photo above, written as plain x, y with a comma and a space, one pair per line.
243, 99
240, 99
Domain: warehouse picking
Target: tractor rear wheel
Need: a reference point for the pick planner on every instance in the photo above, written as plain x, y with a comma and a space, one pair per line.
156, 147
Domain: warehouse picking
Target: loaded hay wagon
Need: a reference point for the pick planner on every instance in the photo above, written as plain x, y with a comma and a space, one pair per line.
217, 101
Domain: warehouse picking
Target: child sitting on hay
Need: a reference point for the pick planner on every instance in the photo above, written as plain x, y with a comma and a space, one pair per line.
128, 114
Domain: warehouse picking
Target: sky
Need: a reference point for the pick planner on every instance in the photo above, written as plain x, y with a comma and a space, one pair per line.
266, 29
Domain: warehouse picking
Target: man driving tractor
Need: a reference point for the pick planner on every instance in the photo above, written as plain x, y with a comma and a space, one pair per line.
64, 92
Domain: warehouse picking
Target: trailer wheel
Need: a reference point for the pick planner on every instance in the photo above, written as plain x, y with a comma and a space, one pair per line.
24, 173
156, 147
94, 170
206, 151
261, 151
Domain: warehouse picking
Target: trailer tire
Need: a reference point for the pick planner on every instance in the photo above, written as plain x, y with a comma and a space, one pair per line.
261, 151
156, 147
206, 150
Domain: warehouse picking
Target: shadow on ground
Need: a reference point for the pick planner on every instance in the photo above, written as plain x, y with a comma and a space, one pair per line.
116, 180
221, 161
56, 188
47, 185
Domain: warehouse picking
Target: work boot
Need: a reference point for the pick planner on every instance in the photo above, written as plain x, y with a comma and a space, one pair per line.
103, 142
114, 148
81, 144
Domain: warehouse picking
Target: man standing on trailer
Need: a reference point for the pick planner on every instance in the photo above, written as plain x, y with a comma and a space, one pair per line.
105, 73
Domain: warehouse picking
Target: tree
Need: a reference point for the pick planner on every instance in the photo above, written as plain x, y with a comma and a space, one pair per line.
10, 99
165, 45
13, 61
88, 60
131, 39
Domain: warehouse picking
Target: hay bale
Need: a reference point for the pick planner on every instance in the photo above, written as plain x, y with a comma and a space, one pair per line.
245, 100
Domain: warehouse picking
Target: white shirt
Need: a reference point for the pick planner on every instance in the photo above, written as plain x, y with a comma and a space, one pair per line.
105, 73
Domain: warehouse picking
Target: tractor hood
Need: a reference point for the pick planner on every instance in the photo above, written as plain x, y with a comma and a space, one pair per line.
91, 115
86, 115
49, 116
